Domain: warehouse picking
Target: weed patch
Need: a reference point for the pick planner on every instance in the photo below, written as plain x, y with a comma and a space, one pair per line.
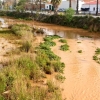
64, 47
96, 57
62, 41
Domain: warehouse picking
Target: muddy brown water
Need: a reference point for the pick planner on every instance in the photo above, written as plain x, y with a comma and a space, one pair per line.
82, 72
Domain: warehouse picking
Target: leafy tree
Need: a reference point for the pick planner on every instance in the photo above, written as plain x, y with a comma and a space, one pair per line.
69, 14
21, 5
55, 3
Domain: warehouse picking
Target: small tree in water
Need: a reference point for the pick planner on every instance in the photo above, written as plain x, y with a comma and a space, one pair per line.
55, 4
69, 14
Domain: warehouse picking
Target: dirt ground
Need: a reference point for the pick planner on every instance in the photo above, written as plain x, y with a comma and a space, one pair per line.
5, 46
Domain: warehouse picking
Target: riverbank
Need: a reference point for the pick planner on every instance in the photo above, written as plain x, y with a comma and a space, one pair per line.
85, 22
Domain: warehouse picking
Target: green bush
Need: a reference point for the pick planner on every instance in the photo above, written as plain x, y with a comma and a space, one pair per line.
49, 38
51, 86
97, 51
46, 59
95, 57
60, 78
58, 66
29, 67
79, 51
49, 43
69, 14
64, 47
62, 41
20, 29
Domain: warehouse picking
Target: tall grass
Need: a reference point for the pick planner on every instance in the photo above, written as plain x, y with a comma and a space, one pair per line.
20, 78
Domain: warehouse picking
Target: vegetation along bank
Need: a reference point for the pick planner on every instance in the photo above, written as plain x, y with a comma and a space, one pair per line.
84, 22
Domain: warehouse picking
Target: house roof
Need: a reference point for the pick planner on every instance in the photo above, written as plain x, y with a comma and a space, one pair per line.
92, 2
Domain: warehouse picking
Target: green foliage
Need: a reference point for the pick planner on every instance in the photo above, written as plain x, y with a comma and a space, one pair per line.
20, 29
50, 43
39, 93
62, 41
51, 86
29, 68
60, 78
58, 66
97, 51
79, 51
20, 5
96, 57
46, 59
50, 38
64, 47
69, 14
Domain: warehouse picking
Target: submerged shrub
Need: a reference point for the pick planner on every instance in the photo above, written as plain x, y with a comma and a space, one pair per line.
79, 51
49, 38
96, 57
64, 47
62, 41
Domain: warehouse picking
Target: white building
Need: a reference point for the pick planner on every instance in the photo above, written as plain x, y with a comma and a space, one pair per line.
65, 4
92, 5
48, 6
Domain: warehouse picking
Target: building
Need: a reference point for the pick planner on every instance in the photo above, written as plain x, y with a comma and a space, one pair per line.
65, 4
91, 6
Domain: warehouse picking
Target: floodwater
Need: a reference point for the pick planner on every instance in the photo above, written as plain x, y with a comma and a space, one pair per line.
82, 72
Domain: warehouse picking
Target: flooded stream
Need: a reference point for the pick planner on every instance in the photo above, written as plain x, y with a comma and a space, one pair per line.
82, 72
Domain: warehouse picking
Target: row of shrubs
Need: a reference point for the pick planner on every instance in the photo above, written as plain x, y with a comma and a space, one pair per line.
46, 59
85, 22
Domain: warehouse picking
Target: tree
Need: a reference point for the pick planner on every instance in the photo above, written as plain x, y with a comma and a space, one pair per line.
55, 4
69, 14
21, 5
97, 8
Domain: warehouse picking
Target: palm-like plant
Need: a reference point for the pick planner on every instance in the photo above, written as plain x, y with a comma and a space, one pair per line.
55, 4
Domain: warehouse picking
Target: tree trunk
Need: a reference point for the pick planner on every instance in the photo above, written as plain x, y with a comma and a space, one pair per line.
97, 8
70, 5
55, 10
40, 5
77, 7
